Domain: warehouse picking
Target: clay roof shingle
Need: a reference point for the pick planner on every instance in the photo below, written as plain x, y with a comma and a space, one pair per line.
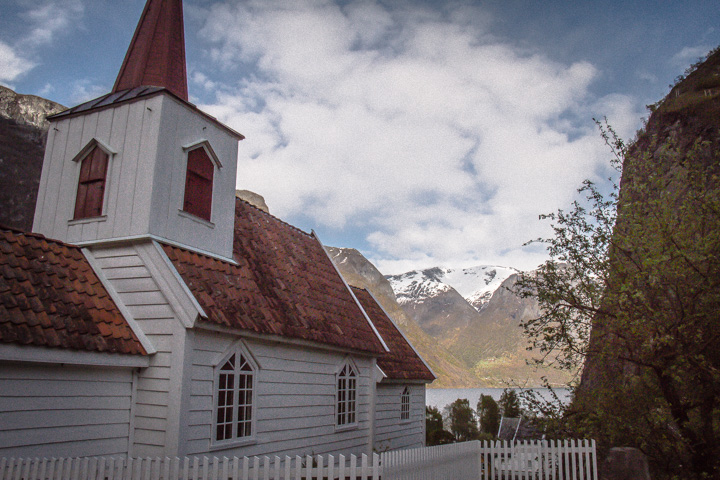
283, 284
51, 297
402, 362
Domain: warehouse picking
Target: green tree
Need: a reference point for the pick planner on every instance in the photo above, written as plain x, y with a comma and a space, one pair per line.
435, 434
462, 420
488, 415
632, 288
510, 403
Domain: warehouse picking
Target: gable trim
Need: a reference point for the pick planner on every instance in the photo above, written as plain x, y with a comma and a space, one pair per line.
44, 355
205, 144
92, 144
169, 285
357, 302
144, 341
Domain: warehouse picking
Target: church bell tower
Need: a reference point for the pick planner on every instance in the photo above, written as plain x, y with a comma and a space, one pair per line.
142, 161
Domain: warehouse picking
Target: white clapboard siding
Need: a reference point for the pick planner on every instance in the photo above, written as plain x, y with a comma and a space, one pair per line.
274, 467
295, 399
392, 433
129, 270
68, 410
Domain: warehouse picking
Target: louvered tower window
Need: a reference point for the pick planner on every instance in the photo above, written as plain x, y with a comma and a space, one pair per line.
346, 396
91, 184
234, 409
199, 184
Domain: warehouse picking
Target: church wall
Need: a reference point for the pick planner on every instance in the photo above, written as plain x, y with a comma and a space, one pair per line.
391, 432
295, 400
63, 410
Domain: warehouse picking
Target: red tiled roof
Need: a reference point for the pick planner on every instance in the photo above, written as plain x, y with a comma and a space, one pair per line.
284, 284
50, 296
401, 363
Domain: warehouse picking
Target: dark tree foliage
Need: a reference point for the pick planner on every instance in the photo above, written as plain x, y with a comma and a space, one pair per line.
488, 415
510, 404
649, 286
462, 420
434, 431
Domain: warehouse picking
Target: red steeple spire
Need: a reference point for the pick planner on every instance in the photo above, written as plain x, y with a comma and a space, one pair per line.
156, 56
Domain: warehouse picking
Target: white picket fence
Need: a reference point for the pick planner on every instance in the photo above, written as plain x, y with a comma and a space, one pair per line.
193, 468
544, 460
537, 460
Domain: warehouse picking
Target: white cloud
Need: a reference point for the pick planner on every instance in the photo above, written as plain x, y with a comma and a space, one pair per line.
445, 143
12, 65
84, 90
689, 55
44, 21
50, 17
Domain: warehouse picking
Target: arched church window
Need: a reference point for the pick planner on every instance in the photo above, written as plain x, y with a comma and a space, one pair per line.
346, 413
234, 405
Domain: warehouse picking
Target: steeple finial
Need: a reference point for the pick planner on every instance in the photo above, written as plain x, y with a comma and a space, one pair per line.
156, 56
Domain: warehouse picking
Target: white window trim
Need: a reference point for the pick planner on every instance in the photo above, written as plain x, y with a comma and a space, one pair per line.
407, 389
217, 165
78, 159
238, 348
348, 362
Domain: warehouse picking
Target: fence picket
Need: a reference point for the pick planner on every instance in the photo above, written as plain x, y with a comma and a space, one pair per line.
543, 460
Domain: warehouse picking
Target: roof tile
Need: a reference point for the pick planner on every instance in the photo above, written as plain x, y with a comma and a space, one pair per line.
283, 284
50, 296
402, 362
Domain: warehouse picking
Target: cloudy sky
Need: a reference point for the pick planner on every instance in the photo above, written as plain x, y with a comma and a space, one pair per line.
422, 133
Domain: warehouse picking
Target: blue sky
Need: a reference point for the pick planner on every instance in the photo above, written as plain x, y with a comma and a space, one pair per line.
422, 133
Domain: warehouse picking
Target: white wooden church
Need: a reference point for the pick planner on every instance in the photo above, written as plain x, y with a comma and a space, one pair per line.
153, 313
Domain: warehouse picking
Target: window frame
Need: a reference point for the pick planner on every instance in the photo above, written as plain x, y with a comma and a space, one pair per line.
239, 351
202, 179
405, 404
86, 154
346, 395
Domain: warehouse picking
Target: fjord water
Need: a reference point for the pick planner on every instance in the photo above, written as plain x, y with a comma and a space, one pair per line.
441, 397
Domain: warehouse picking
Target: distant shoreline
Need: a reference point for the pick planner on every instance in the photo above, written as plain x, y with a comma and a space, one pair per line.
441, 397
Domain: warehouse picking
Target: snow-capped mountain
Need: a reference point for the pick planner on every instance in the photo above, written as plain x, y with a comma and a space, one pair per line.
476, 284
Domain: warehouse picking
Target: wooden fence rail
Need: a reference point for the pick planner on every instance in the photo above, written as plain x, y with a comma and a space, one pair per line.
544, 460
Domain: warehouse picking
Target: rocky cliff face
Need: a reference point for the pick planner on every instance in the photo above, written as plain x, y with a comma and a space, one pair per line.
23, 132
27, 109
